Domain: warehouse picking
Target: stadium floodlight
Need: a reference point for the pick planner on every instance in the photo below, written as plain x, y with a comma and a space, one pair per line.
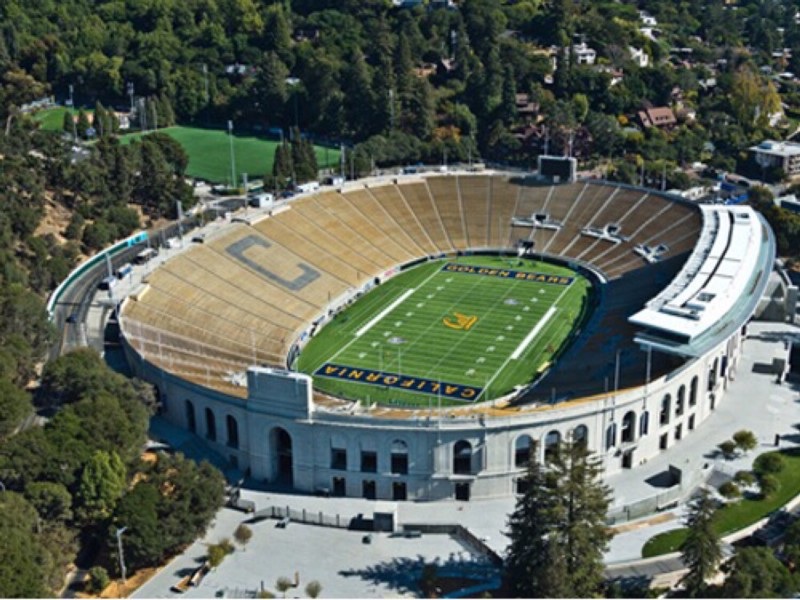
123, 571
233, 158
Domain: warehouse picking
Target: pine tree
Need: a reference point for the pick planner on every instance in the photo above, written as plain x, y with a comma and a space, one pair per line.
100, 123
533, 567
282, 164
558, 531
68, 123
83, 123
700, 551
584, 535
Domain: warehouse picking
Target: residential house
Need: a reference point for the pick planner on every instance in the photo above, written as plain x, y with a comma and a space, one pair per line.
661, 116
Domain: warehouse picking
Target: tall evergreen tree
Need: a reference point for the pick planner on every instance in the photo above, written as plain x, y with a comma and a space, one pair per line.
282, 164
534, 568
558, 531
83, 124
701, 551
584, 535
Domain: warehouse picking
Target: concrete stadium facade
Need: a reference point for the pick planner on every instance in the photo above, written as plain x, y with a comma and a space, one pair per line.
279, 433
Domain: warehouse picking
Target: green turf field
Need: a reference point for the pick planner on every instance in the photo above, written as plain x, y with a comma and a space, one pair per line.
52, 119
210, 153
459, 330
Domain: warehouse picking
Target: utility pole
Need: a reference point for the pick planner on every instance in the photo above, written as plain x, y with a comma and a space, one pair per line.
233, 158
391, 108
122, 569
205, 82
71, 98
130, 92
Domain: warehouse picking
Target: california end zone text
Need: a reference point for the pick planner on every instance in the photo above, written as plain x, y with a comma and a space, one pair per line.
420, 385
508, 274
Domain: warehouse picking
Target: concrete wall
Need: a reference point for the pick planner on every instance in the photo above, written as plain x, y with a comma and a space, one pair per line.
431, 442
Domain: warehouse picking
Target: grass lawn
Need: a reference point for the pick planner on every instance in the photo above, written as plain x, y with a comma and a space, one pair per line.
734, 517
446, 327
52, 119
209, 153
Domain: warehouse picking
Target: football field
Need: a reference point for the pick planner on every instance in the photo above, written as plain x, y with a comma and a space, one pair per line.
449, 332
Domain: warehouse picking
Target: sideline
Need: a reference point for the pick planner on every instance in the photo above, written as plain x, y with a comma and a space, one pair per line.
533, 333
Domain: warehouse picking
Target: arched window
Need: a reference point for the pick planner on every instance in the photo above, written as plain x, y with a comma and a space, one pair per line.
611, 436
628, 426
680, 402
211, 425
693, 391
644, 424
551, 445
712, 375
663, 416
523, 447
462, 458
191, 422
399, 458
580, 435
233, 431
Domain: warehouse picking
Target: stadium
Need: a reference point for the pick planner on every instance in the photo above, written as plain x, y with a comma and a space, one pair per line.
407, 339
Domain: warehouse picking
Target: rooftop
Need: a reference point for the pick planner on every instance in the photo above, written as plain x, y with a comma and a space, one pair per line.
719, 281
783, 149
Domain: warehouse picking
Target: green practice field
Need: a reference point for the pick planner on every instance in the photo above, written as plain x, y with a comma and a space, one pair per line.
52, 119
453, 337
209, 153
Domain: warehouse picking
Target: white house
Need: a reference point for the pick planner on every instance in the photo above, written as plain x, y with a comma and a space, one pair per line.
640, 57
583, 54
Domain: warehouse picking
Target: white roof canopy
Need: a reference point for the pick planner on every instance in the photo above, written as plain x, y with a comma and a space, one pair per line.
714, 277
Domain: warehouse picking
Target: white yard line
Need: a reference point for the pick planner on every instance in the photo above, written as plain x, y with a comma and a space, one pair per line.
356, 336
533, 333
377, 318
503, 366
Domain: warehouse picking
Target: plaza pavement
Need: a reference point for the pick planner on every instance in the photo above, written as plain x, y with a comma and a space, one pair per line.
348, 568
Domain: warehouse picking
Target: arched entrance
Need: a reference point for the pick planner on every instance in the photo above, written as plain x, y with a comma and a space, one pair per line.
281, 446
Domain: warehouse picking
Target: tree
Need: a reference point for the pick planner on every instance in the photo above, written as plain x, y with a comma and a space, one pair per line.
745, 478
101, 486
756, 573
283, 584
83, 124
282, 164
728, 448
313, 588
51, 500
769, 485
242, 535
583, 534
768, 463
730, 490
15, 405
745, 440
98, 579
21, 554
68, 123
216, 554
701, 551
557, 530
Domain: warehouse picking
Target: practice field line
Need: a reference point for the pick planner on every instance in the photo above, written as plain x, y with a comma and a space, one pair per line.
376, 319
533, 333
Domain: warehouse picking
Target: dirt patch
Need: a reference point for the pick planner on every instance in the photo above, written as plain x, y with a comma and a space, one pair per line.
662, 518
55, 220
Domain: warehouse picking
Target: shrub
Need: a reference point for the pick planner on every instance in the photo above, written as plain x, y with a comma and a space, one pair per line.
769, 485
216, 554
265, 594
744, 478
730, 490
771, 462
728, 449
313, 588
745, 440
98, 579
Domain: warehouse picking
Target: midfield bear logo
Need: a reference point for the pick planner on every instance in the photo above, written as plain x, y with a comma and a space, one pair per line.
460, 321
